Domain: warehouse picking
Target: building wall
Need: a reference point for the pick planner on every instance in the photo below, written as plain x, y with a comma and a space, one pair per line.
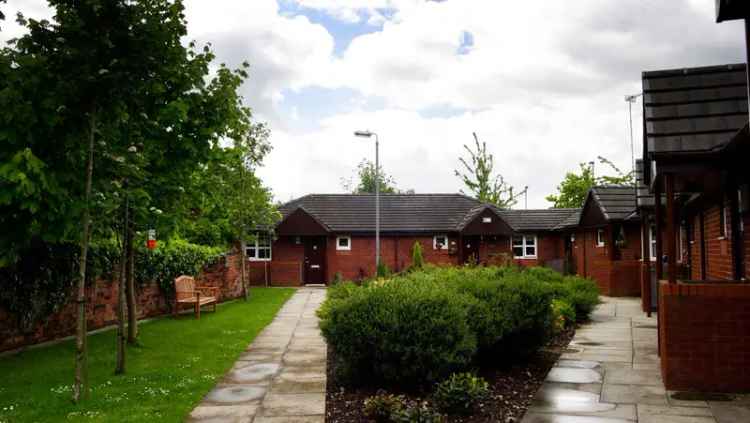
718, 249
285, 268
620, 276
705, 337
395, 252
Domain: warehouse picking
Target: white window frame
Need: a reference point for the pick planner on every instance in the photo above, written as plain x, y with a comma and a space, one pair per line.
348, 246
652, 242
443, 246
253, 247
526, 242
600, 238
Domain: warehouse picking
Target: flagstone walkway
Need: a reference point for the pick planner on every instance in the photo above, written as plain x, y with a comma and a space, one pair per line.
282, 375
610, 374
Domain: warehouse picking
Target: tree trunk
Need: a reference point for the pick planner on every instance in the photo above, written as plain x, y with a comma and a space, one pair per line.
120, 365
129, 279
243, 275
81, 383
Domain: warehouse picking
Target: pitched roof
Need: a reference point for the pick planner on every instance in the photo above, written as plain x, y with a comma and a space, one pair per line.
617, 202
539, 219
418, 213
693, 110
398, 212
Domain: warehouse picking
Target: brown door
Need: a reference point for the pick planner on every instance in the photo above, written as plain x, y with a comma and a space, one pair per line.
471, 249
315, 259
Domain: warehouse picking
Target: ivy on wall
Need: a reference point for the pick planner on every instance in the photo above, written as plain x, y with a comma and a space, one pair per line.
41, 281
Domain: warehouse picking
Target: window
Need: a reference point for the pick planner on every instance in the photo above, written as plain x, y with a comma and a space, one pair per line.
722, 220
440, 242
259, 249
681, 240
486, 220
343, 243
600, 237
652, 242
524, 246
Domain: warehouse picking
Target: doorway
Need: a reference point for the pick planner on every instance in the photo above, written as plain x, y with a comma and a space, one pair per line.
470, 249
315, 260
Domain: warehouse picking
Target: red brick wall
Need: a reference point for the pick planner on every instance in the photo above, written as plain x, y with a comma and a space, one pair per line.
549, 247
101, 307
395, 251
621, 277
718, 249
705, 338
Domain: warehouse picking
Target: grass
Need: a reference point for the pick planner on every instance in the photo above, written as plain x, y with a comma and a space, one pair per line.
177, 362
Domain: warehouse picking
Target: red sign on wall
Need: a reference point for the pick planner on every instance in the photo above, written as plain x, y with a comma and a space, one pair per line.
151, 241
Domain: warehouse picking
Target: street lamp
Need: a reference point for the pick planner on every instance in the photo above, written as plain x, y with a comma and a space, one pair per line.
370, 134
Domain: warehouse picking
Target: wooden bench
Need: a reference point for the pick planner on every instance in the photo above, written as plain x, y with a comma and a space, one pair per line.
187, 292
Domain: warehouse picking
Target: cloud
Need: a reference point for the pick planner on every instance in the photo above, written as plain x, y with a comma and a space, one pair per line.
285, 52
542, 82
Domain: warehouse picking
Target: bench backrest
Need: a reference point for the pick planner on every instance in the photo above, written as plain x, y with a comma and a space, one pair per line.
184, 287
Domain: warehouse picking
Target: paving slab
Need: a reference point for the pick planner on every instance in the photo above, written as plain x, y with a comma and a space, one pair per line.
281, 377
727, 412
610, 374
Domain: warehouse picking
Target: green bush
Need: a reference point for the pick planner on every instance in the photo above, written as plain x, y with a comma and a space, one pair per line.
420, 326
419, 413
398, 332
563, 315
461, 393
171, 260
383, 271
417, 259
383, 407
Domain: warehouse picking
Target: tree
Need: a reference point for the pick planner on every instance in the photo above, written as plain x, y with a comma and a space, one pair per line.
572, 191
106, 114
477, 176
366, 177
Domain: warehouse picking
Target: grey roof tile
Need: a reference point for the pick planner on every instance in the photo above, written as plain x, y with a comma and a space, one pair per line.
695, 109
538, 219
617, 202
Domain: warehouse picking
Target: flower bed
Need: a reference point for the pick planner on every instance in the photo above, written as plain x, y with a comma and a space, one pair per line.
416, 329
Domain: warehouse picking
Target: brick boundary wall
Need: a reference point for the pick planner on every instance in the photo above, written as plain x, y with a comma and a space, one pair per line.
705, 336
101, 306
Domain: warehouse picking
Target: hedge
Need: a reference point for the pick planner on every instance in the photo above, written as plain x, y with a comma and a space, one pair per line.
420, 326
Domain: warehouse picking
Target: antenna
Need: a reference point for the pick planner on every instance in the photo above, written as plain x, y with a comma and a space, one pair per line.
632, 99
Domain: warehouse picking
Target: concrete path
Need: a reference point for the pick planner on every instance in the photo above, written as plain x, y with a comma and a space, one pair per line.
610, 374
282, 375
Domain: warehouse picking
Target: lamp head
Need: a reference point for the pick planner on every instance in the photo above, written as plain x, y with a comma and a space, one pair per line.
364, 134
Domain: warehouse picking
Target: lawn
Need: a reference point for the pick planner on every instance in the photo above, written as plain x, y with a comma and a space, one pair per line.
177, 362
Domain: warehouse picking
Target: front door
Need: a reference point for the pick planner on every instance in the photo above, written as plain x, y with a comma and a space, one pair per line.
470, 249
315, 258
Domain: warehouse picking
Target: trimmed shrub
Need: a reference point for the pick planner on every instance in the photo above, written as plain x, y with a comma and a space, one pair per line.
420, 413
417, 260
383, 407
420, 326
460, 393
563, 315
383, 271
399, 332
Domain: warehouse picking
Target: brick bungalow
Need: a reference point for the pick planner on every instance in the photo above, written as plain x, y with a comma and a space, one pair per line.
695, 168
322, 237
607, 240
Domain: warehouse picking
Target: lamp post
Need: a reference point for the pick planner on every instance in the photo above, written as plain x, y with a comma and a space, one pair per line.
370, 134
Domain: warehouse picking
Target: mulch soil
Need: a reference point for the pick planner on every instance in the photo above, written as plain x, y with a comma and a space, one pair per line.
512, 387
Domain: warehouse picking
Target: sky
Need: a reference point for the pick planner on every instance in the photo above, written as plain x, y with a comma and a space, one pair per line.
541, 82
